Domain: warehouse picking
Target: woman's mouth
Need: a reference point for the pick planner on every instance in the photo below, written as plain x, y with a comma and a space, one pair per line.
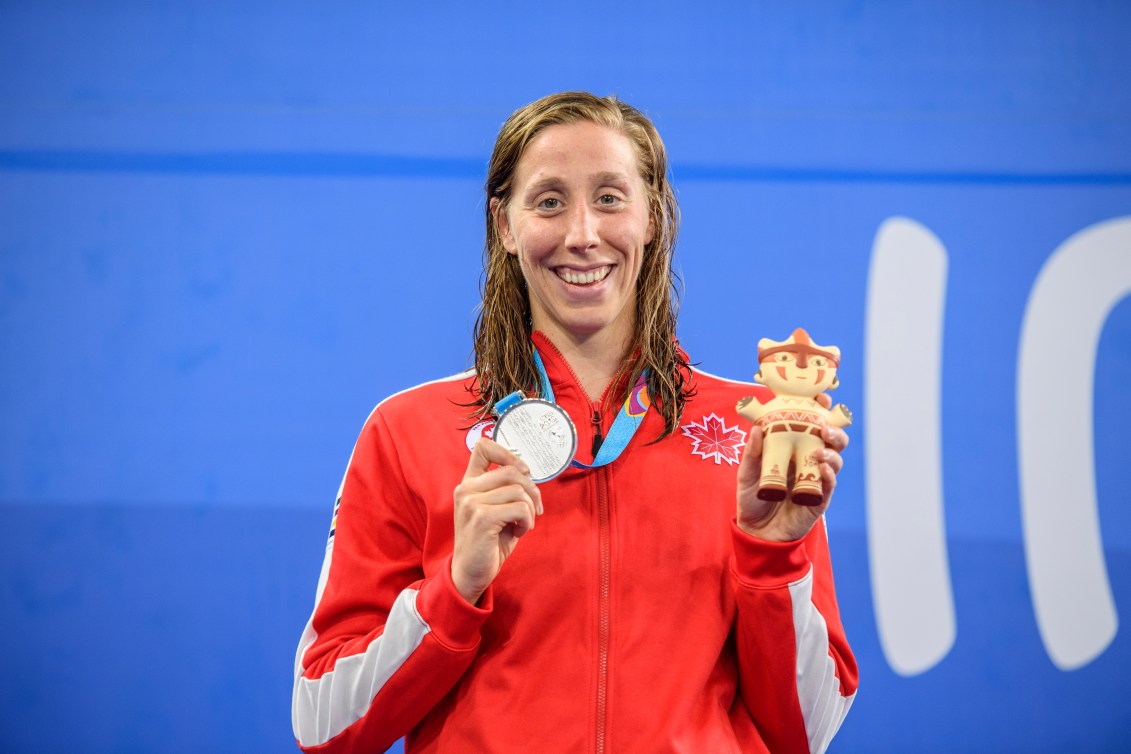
576, 277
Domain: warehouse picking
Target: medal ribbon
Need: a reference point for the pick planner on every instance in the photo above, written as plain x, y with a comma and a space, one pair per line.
624, 426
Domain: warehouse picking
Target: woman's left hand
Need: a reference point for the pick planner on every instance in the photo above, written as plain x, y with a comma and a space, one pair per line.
784, 521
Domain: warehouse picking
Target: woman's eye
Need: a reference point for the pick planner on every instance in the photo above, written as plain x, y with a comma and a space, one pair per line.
549, 203
608, 199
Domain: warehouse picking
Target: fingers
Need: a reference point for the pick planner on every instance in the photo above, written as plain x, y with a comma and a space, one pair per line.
836, 439
487, 452
511, 470
506, 496
474, 503
828, 467
750, 467
830, 458
495, 517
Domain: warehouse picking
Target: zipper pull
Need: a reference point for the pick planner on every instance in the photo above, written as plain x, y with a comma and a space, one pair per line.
597, 439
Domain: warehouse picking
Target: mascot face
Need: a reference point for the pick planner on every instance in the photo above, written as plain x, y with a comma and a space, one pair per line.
797, 366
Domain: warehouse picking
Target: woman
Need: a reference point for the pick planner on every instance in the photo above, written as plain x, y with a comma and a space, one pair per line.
629, 604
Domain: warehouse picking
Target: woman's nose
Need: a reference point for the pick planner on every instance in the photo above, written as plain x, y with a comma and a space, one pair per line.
581, 233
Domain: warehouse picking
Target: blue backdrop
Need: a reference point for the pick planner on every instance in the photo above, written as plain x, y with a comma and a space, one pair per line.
228, 229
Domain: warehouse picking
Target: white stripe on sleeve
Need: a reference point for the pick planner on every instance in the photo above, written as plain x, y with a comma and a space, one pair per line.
818, 688
324, 707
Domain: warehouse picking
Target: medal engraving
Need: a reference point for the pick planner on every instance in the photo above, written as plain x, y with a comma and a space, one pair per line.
541, 434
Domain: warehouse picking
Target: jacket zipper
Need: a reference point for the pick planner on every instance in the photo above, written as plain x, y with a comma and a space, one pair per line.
604, 621
597, 439
604, 537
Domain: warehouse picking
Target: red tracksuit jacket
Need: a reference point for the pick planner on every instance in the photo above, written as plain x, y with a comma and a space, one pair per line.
634, 617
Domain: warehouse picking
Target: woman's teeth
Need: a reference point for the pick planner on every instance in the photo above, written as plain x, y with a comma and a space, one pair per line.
584, 278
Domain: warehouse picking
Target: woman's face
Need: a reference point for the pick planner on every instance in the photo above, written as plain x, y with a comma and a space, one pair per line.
578, 221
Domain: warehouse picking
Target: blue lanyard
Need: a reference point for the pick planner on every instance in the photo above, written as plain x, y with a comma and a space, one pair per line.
624, 426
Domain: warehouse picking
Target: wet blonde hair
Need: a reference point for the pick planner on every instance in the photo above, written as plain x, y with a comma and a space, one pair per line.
503, 358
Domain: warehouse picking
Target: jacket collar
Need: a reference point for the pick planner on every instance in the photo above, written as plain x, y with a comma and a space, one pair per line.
567, 387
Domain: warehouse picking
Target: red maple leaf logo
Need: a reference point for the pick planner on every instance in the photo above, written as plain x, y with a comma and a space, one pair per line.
714, 439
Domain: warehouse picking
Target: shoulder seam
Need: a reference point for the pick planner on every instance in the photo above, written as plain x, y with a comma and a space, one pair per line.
451, 378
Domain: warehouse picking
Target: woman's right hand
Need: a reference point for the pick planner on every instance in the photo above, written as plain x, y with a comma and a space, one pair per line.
493, 509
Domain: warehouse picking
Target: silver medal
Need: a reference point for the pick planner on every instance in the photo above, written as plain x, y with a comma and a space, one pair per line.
540, 433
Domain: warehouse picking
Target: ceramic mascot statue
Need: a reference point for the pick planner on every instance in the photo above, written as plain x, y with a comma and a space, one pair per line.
796, 371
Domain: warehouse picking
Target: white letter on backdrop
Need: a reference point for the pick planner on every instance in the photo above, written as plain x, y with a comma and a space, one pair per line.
1074, 293
911, 584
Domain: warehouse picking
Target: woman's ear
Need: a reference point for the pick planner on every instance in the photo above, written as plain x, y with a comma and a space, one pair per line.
503, 225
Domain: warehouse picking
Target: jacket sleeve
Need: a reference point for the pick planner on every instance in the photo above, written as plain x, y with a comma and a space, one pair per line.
797, 674
384, 643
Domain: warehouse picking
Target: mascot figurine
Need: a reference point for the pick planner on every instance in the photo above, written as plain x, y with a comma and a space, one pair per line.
796, 371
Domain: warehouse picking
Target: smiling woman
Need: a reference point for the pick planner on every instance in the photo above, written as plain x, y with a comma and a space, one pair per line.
604, 129
578, 229
642, 600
